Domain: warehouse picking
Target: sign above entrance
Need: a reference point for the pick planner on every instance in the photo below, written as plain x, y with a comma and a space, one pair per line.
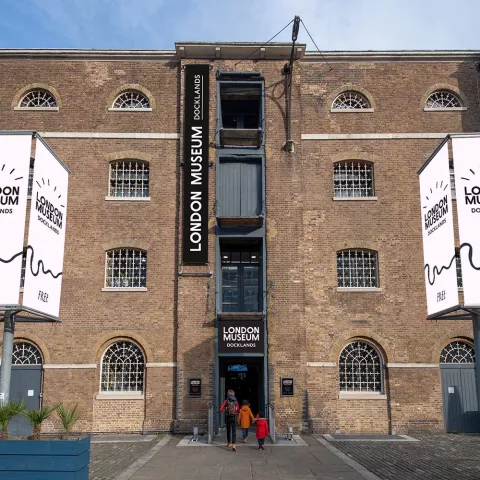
240, 336
195, 165
237, 368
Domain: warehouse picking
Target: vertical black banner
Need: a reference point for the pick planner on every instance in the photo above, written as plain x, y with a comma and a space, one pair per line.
195, 166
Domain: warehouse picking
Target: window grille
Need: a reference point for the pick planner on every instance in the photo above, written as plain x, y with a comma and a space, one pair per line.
38, 99
452, 178
350, 100
458, 352
360, 368
458, 262
129, 178
30, 177
357, 269
122, 368
126, 267
443, 99
24, 266
353, 179
131, 99
25, 353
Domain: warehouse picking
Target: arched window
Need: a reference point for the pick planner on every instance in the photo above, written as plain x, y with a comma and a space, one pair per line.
458, 352
353, 178
132, 99
25, 353
126, 268
360, 368
357, 268
38, 98
129, 179
123, 367
442, 99
350, 100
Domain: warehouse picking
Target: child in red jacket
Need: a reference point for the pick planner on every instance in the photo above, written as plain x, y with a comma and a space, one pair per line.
262, 429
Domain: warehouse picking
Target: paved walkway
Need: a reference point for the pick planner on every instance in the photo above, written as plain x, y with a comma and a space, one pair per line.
310, 462
435, 457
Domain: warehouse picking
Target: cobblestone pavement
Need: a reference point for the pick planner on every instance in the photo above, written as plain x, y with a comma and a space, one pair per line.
436, 457
108, 460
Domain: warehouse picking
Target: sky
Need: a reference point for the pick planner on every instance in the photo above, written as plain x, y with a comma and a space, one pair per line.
158, 24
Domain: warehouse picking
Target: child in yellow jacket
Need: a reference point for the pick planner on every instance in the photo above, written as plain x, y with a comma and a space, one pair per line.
244, 419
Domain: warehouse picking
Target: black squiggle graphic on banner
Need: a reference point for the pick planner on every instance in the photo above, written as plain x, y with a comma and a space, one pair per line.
436, 271
39, 263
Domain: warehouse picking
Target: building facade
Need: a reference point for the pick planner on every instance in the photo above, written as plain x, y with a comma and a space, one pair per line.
312, 297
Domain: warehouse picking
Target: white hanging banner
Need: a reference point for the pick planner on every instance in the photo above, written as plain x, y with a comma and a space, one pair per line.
437, 230
14, 168
46, 234
466, 157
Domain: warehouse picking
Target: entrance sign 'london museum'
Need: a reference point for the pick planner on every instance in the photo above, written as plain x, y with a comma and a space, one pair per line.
14, 168
466, 154
437, 231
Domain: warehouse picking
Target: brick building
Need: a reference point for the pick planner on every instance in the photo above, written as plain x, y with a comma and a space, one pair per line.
314, 234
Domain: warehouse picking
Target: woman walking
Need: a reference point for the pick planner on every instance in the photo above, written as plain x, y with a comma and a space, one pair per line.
231, 407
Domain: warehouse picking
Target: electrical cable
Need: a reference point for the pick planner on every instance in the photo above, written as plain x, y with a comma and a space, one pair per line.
261, 46
326, 61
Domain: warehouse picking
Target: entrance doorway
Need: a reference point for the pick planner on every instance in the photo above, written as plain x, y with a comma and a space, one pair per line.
243, 375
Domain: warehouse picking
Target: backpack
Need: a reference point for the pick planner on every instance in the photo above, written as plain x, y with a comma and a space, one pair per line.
231, 407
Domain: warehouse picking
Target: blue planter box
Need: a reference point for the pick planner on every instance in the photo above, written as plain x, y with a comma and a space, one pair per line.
44, 459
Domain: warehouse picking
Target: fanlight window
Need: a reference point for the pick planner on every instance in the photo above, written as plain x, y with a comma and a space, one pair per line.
123, 367
443, 99
350, 100
126, 267
25, 353
360, 368
353, 179
129, 178
458, 352
131, 99
357, 269
38, 99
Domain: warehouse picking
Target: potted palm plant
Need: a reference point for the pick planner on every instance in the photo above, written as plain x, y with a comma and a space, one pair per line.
67, 459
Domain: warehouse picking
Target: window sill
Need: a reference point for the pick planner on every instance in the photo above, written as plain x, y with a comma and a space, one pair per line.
131, 199
460, 289
124, 289
351, 110
129, 109
21, 289
361, 396
361, 289
119, 396
356, 199
36, 109
451, 109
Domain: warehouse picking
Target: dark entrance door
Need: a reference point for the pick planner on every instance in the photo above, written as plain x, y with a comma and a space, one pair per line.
244, 375
25, 384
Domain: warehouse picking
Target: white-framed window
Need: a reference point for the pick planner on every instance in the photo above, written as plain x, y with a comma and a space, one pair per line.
357, 268
360, 368
38, 98
129, 179
30, 177
458, 264
442, 99
25, 353
353, 179
131, 99
351, 100
458, 352
126, 268
122, 369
